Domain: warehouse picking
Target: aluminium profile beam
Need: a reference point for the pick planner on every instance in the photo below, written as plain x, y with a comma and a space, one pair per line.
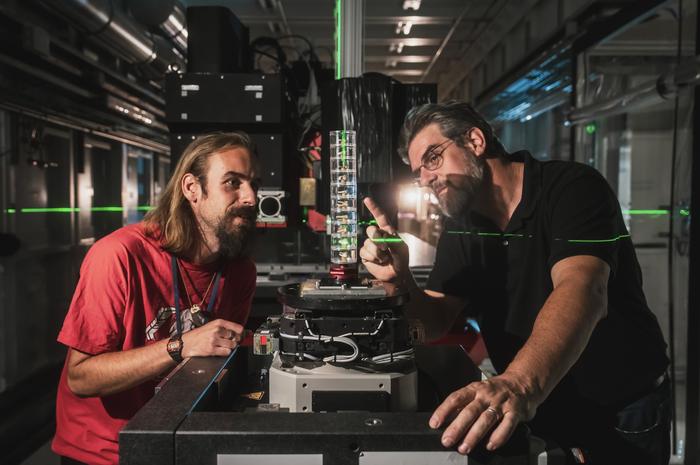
349, 36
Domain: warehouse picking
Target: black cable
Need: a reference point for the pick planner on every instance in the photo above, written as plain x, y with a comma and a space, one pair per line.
289, 47
312, 50
270, 42
269, 55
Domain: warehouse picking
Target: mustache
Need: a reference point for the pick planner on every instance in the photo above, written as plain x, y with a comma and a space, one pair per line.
248, 213
438, 184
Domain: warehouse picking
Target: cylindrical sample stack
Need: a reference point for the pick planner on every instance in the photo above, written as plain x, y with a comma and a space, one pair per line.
343, 170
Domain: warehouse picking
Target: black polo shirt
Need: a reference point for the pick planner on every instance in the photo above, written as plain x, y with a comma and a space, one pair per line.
566, 209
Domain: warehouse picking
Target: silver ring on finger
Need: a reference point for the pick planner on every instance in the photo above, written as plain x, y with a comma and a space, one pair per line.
497, 415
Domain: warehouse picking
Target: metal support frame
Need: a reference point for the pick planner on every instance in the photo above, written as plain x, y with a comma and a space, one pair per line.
615, 24
692, 412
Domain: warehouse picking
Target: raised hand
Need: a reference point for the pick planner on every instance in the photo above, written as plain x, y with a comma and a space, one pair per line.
383, 253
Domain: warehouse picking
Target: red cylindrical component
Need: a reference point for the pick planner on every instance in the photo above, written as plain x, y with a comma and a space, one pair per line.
343, 272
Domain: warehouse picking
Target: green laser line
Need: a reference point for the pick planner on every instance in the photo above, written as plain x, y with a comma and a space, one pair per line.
338, 32
646, 212
50, 210
343, 145
387, 239
596, 241
493, 234
74, 209
487, 234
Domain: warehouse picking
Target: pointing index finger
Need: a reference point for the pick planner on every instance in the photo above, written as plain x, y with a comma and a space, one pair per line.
379, 215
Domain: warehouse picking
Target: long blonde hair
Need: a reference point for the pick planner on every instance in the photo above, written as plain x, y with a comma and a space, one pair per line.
172, 220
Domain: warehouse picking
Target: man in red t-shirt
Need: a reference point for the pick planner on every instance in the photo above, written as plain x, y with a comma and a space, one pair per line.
189, 257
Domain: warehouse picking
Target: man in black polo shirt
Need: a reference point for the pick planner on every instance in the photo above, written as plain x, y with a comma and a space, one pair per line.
538, 252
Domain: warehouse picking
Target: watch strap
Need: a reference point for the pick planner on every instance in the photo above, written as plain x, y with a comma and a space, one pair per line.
174, 347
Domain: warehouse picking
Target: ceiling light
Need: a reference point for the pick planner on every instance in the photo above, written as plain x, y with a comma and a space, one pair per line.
396, 47
404, 27
411, 5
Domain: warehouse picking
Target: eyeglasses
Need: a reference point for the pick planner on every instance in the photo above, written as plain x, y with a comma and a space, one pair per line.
431, 159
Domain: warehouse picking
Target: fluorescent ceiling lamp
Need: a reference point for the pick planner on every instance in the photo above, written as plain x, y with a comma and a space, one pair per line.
396, 47
411, 4
404, 27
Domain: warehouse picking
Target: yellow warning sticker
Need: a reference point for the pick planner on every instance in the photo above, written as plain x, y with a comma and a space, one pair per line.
254, 395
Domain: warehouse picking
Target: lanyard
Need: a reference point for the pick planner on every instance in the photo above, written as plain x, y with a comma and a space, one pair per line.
176, 293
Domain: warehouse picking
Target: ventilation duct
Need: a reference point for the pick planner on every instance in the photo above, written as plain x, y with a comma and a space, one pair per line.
166, 15
666, 86
117, 32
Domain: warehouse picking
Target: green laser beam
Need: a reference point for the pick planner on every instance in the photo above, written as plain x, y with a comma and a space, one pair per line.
74, 209
487, 234
343, 145
338, 32
646, 212
595, 241
504, 235
50, 210
387, 239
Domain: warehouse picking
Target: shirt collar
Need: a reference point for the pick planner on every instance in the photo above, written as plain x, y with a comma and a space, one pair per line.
532, 185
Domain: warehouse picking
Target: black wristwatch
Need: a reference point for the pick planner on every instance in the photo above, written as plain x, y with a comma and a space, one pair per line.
175, 347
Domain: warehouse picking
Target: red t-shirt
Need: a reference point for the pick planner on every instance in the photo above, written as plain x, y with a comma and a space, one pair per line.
124, 300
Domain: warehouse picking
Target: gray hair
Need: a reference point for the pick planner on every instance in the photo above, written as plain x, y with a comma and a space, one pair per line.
454, 118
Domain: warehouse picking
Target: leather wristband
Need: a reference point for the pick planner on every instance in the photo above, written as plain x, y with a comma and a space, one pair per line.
174, 347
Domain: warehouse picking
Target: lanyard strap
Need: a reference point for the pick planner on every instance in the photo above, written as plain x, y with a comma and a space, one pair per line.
212, 299
176, 293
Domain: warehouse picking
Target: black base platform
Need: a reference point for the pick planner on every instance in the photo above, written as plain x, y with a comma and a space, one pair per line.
205, 413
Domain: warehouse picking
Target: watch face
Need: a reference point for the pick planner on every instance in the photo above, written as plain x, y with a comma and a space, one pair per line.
174, 346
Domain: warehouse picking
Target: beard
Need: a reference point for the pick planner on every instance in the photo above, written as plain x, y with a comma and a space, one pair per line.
461, 189
236, 238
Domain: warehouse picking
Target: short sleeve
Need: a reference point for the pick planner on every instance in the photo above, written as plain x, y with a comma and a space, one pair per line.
94, 323
450, 271
585, 220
